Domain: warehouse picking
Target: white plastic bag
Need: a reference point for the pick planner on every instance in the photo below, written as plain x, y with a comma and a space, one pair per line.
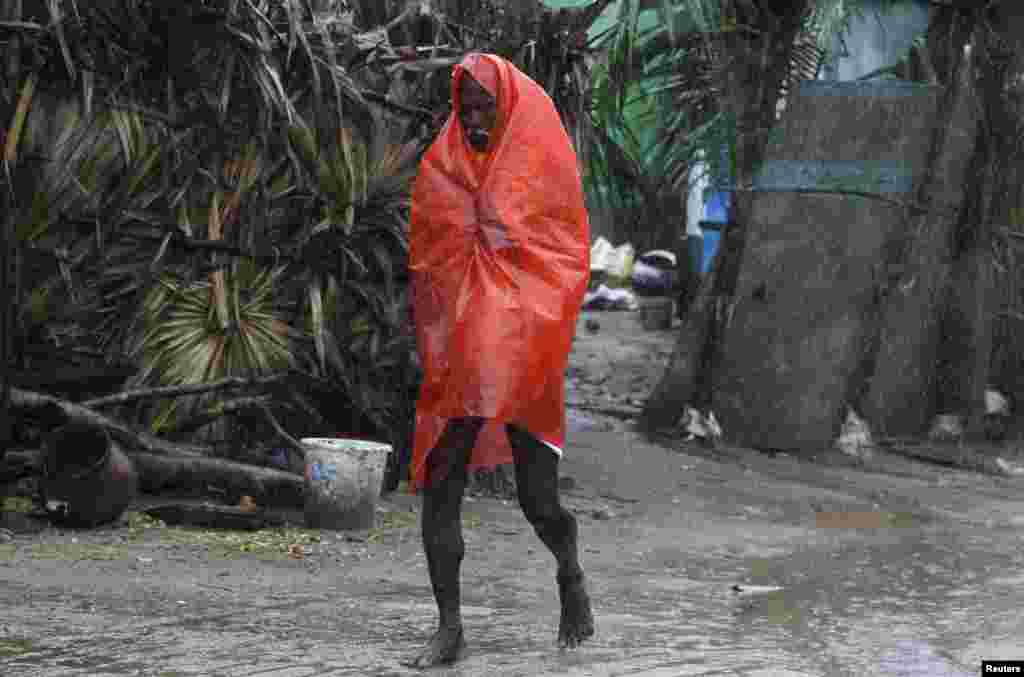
855, 437
698, 426
615, 262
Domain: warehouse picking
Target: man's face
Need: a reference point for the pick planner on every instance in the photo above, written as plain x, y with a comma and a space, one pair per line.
478, 113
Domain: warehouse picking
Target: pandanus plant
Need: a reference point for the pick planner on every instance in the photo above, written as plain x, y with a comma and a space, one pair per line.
161, 185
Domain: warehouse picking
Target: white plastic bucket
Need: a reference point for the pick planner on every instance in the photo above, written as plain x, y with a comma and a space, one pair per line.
343, 480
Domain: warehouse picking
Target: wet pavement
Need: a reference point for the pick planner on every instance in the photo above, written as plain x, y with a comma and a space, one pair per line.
930, 590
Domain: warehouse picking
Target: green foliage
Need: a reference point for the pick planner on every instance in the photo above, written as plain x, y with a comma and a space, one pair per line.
148, 140
660, 92
185, 342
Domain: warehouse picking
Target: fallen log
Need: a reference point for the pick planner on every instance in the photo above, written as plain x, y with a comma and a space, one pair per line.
204, 476
269, 487
70, 412
163, 465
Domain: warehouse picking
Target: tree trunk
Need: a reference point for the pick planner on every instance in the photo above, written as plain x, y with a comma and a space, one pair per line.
753, 78
970, 319
903, 387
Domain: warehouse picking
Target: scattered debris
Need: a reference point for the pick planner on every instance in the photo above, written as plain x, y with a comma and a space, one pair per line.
654, 273
208, 515
996, 403
612, 496
855, 437
606, 298
744, 590
997, 415
267, 544
296, 551
592, 326
700, 426
613, 262
1008, 468
247, 504
661, 258
947, 428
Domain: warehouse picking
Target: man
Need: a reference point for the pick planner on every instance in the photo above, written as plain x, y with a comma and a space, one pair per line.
499, 258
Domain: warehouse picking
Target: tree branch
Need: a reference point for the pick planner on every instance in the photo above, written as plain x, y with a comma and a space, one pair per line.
176, 391
411, 111
294, 443
215, 413
131, 438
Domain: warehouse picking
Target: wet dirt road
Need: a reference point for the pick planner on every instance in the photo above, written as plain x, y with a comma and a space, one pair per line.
932, 593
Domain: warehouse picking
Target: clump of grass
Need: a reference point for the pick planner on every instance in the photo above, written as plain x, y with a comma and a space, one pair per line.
230, 544
398, 519
12, 647
76, 551
139, 523
16, 504
394, 520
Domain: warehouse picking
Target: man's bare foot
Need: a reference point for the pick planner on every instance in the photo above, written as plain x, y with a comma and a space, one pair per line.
444, 648
577, 622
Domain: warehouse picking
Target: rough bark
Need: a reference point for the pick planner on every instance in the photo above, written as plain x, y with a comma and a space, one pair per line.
903, 386
757, 67
970, 320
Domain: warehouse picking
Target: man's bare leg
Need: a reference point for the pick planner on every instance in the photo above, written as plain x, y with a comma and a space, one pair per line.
537, 487
442, 536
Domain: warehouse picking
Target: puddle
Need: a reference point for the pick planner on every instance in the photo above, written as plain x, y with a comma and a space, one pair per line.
578, 422
912, 658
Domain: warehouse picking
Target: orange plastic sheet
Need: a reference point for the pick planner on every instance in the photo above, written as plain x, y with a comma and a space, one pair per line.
500, 262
